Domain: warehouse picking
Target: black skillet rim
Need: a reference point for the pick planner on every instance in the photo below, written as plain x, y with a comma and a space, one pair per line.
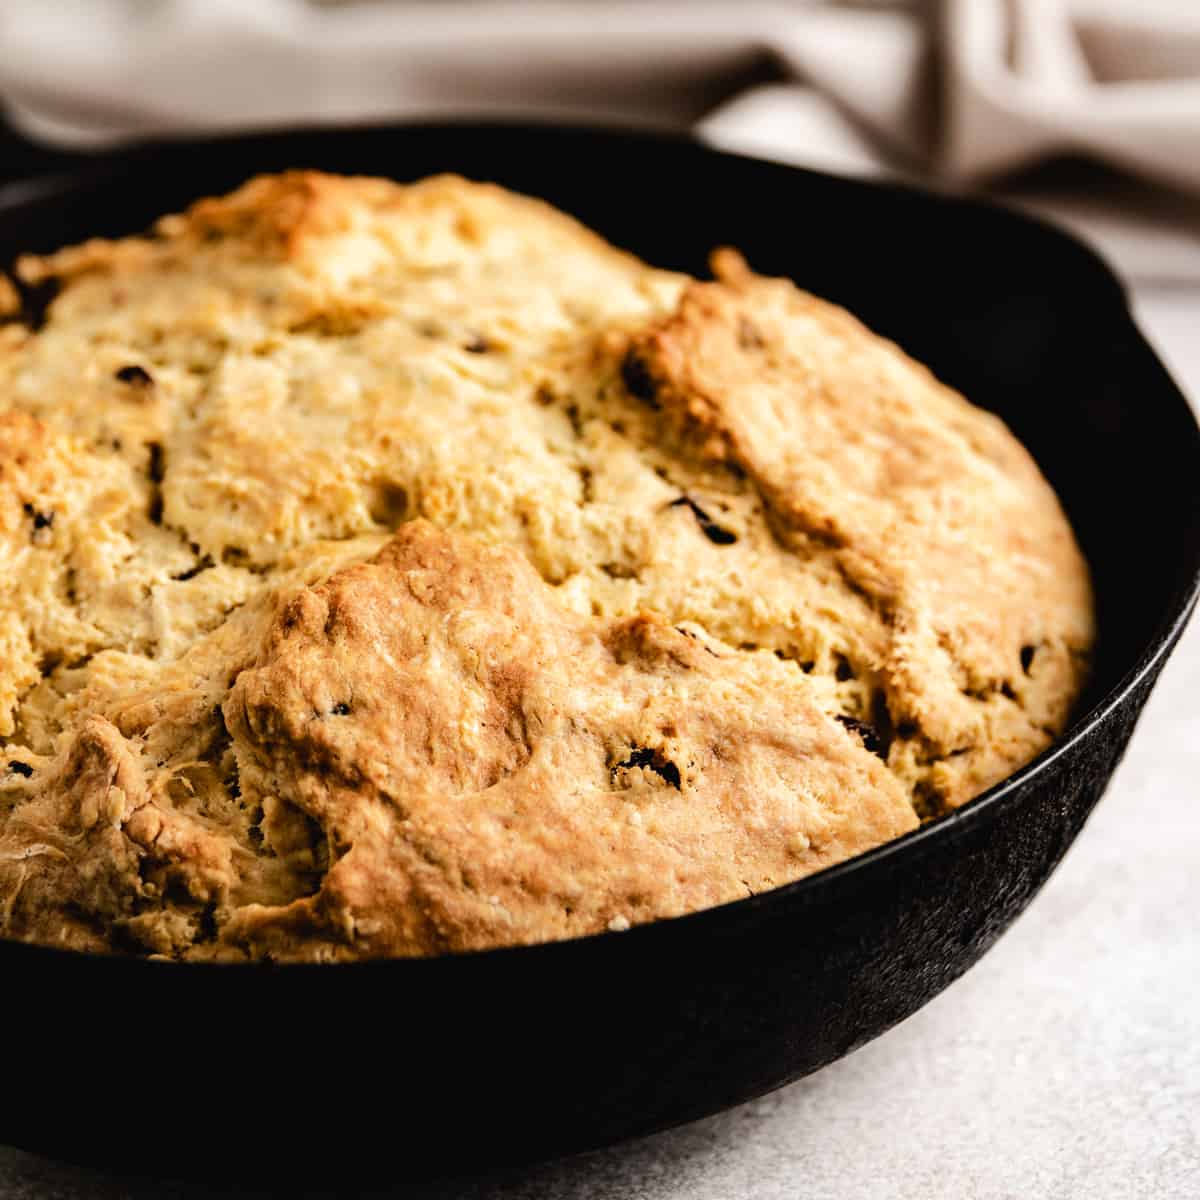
890, 855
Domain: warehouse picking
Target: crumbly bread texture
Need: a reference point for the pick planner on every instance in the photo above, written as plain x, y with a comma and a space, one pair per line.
392, 570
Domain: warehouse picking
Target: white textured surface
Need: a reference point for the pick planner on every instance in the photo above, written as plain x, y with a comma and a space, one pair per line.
1066, 1064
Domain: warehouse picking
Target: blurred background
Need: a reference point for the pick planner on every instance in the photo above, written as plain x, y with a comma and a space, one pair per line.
1088, 110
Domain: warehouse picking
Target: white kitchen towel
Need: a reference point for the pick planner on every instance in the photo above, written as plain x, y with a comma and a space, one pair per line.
960, 91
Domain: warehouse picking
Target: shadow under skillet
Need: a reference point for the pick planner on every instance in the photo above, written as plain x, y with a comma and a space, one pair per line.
661, 1165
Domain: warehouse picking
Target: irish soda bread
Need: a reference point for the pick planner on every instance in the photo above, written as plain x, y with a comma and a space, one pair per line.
394, 570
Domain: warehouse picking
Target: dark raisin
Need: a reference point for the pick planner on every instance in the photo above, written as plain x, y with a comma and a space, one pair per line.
135, 376
866, 732
843, 671
192, 572
156, 468
654, 761
639, 383
20, 768
1027, 653
478, 344
670, 772
881, 720
41, 520
717, 534
342, 709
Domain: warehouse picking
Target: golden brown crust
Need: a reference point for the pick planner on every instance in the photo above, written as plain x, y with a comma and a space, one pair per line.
489, 767
391, 570
928, 508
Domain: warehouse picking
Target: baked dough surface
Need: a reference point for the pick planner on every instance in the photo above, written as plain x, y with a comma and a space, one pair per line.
393, 570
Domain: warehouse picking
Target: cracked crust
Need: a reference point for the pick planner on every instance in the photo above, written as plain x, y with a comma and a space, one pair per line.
393, 570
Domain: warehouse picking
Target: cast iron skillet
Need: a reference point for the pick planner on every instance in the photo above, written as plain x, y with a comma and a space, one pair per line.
413, 1067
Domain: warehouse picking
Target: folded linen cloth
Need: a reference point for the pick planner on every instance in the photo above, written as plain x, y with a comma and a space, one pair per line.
958, 91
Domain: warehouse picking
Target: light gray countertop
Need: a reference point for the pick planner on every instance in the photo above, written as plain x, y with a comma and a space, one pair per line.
1066, 1064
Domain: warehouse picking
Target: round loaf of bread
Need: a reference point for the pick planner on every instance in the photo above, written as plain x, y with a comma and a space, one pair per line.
391, 570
